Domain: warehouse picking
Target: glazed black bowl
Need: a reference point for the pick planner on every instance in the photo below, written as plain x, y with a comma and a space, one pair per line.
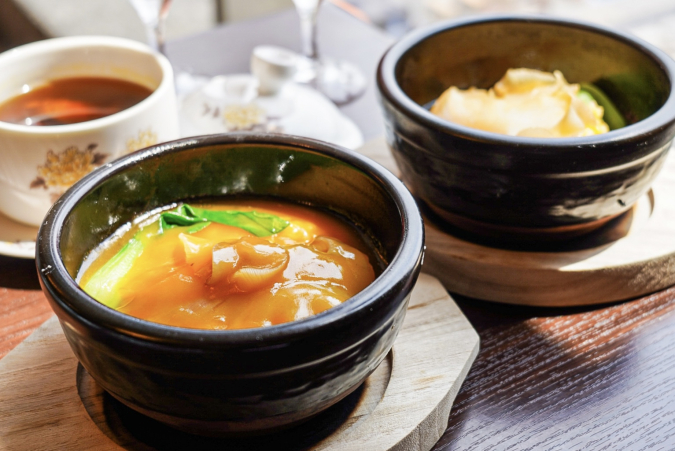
516, 186
238, 381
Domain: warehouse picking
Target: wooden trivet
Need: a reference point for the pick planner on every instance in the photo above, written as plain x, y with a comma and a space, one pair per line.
48, 402
631, 256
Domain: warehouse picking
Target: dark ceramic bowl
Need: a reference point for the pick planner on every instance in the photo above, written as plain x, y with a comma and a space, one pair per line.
239, 381
516, 186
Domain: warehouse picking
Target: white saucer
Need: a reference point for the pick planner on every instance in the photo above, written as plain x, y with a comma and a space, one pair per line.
16, 239
295, 110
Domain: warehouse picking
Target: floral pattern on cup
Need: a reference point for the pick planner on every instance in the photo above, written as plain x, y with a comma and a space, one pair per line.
63, 169
143, 139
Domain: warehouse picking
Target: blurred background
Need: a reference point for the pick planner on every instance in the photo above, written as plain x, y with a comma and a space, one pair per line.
23, 21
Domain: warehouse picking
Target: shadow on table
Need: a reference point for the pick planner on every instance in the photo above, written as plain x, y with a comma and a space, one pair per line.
488, 314
18, 274
566, 378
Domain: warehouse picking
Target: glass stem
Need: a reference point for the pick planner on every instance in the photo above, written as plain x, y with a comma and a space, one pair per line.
159, 41
160, 26
308, 32
153, 14
153, 38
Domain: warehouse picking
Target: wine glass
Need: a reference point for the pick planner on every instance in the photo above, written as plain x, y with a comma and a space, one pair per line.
153, 15
340, 81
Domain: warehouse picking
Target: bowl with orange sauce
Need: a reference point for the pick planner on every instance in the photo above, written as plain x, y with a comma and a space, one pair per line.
534, 183
289, 264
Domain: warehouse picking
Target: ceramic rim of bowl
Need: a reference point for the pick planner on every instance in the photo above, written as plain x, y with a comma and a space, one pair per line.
35, 49
390, 89
401, 266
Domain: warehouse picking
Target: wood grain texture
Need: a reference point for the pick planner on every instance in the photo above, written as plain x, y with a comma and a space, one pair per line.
575, 379
23, 308
632, 256
404, 405
46, 407
21, 312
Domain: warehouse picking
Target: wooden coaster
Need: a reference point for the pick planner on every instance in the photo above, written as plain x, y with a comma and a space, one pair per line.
631, 256
48, 402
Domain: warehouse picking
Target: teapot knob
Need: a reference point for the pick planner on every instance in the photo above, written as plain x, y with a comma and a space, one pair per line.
273, 67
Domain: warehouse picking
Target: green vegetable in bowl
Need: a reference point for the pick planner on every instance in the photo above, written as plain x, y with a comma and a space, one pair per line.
611, 116
259, 224
103, 285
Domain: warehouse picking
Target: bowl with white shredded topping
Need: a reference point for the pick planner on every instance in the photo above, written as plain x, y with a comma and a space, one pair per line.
527, 127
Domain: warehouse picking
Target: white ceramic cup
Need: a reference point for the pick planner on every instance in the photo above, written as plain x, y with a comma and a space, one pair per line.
38, 163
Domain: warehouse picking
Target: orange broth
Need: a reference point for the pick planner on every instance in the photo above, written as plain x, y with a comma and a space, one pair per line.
223, 277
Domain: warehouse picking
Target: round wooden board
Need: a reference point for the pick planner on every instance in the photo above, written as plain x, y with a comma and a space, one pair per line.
632, 256
48, 402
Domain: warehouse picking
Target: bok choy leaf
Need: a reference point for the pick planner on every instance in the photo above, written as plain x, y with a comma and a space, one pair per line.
259, 224
103, 285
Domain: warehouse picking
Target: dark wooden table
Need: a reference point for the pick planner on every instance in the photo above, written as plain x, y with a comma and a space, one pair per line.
599, 378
